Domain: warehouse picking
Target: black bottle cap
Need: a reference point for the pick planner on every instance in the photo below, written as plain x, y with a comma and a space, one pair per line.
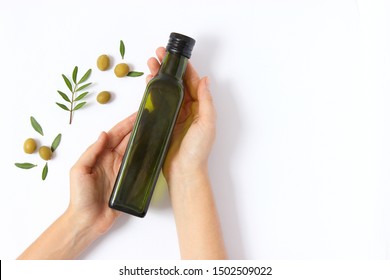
180, 44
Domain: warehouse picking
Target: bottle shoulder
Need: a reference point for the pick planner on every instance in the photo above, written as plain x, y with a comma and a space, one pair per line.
168, 82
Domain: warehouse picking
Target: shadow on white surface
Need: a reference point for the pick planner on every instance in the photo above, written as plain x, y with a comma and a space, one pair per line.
228, 132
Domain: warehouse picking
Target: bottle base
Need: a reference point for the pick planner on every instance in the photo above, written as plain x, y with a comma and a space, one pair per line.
139, 214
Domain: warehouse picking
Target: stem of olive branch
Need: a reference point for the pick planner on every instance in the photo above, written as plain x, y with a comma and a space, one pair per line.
71, 104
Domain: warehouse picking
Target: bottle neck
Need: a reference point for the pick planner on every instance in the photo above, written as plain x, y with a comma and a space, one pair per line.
173, 65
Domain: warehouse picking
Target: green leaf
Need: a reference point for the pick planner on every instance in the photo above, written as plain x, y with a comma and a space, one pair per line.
83, 87
37, 127
25, 165
122, 49
62, 106
45, 170
74, 74
67, 82
64, 96
80, 105
135, 74
85, 77
81, 96
56, 142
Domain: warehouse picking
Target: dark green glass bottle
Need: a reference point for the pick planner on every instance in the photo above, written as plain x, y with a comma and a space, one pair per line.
149, 141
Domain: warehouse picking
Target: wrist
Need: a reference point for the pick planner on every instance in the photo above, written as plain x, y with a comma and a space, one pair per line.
187, 177
66, 238
81, 230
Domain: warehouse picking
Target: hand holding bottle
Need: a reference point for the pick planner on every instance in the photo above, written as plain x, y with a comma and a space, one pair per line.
88, 215
194, 132
94, 174
186, 169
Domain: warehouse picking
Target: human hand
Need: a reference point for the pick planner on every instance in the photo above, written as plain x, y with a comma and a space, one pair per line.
93, 176
186, 170
194, 132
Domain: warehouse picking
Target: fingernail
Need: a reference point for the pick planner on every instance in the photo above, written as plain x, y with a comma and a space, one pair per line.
101, 135
207, 83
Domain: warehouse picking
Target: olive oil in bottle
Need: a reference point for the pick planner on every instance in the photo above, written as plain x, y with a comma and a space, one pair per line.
149, 141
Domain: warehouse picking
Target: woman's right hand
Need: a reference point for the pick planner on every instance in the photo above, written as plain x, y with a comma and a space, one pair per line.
194, 132
186, 170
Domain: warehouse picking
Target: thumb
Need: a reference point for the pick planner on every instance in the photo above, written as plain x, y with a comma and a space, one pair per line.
206, 107
91, 155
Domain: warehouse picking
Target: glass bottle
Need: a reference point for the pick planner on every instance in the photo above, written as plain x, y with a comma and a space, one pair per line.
149, 140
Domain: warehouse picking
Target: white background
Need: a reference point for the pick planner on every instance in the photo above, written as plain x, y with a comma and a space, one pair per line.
300, 165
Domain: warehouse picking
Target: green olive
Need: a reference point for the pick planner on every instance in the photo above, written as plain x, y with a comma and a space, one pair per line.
103, 62
103, 97
121, 70
45, 152
29, 146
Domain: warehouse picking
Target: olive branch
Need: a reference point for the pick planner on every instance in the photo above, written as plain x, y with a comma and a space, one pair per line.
75, 88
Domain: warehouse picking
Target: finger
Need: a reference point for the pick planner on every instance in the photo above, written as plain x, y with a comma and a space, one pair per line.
153, 65
90, 156
206, 109
121, 147
148, 78
187, 98
160, 52
185, 112
191, 80
118, 132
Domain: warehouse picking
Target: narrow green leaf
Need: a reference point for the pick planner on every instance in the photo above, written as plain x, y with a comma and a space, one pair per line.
25, 165
80, 105
45, 170
62, 106
135, 74
37, 127
81, 96
122, 49
85, 77
83, 87
56, 142
64, 96
67, 82
74, 74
